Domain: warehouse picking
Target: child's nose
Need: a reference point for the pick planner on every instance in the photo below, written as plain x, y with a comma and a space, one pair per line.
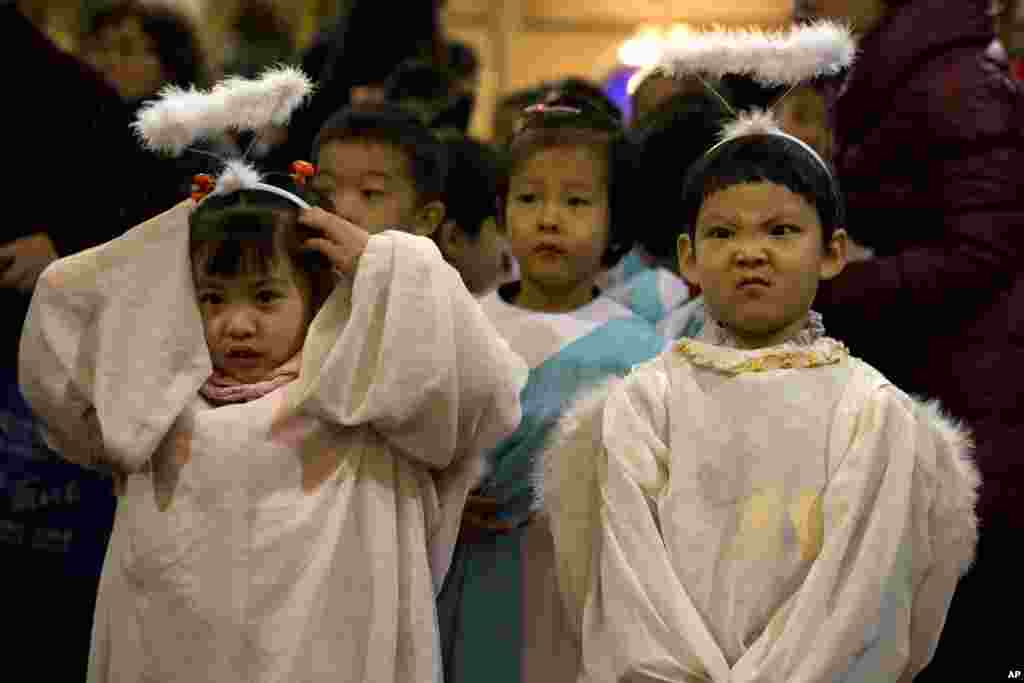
549, 217
750, 252
240, 323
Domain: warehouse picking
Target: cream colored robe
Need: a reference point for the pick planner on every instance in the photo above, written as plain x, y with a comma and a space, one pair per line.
783, 515
298, 537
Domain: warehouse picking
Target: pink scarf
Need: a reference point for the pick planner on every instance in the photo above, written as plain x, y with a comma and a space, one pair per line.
221, 389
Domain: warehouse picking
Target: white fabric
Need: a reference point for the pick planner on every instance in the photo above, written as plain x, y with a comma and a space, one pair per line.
298, 537
536, 336
792, 525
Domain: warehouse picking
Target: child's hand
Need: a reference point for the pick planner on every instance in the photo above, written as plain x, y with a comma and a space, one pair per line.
480, 520
342, 242
23, 260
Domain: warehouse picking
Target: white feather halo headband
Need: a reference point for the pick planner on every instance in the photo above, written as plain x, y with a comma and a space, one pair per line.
771, 58
179, 117
761, 122
804, 52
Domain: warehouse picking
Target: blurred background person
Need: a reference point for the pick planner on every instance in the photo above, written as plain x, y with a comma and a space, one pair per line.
141, 46
928, 144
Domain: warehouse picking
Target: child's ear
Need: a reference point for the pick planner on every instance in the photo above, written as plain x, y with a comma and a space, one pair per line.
836, 255
428, 219
687, 253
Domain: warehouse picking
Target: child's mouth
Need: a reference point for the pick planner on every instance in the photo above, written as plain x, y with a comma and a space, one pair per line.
549, 250
753, 282
243, 357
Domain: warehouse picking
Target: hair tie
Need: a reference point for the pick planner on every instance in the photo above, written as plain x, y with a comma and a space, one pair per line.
202, 186
302, 171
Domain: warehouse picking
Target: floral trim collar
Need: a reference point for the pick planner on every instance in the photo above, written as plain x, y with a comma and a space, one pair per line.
716, 349
718, 334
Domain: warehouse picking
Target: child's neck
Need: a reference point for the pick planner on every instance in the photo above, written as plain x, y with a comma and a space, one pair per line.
803, 331
534, 297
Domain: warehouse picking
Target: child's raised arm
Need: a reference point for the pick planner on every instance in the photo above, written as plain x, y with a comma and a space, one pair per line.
406, 349
110, 355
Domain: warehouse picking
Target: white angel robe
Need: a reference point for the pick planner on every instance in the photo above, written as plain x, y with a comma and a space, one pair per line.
499, 603
783, 515
298, 537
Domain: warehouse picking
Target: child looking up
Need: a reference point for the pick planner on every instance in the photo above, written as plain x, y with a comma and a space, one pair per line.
564, 210
293, 466
760, 505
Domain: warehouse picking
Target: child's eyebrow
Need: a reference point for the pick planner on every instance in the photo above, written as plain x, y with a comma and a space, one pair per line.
580, 185
384, 175
721, 218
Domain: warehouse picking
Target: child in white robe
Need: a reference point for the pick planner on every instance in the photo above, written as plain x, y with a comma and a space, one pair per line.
759, 504
294, 404
565, 210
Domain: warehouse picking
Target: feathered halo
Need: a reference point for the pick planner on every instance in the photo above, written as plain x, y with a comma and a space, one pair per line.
760, 122
180, 117
772, 58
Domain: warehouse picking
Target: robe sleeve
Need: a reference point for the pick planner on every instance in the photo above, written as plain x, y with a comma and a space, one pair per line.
56, 390
638, 624
407, 350
113, 349
900, 530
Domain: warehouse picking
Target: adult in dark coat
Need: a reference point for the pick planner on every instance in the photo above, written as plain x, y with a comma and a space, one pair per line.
72, 179
69, 164
929, 148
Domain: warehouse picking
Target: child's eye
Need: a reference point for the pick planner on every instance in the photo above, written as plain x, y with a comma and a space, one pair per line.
718, 233
373, 194
526, 198
268, 295
210, 298
577, 202
785, 229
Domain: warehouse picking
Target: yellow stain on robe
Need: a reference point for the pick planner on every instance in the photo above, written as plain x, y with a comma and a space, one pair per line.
762, 520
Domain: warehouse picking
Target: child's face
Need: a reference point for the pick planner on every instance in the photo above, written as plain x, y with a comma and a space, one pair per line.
557, 217
127, 57
370, 183
254, 322
759, 257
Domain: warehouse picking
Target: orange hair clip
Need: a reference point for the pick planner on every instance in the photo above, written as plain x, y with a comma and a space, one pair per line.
202, 185
302, 171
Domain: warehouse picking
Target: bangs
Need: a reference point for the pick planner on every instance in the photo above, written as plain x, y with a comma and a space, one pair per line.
238, 241
763, 158
530, 142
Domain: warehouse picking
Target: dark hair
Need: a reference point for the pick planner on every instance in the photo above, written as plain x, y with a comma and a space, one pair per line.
763, 158
176, 40
249, 228
670, 139
390, 124
462, 60
430, 92
475, 173
266, 37
582, 89
521, 99
568, 121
